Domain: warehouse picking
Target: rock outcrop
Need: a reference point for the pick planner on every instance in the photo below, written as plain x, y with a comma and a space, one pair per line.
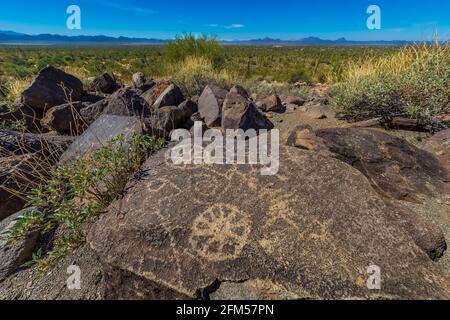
272, 103
311, 231
52, 87
65, 118
165, 119
16, 252
439, 145
26, 116
18, 143
124, 102
104, 84
103, 130
210, 105
395, 168
17, 176
172, 96
152, 94
240, 113
240, 90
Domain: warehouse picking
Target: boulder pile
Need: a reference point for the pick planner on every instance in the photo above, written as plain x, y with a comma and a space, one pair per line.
345, 200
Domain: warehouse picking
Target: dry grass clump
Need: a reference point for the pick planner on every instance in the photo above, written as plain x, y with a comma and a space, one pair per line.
195, 72
413, 82
12, 87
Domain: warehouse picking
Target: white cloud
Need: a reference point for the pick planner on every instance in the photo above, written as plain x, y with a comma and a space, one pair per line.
235, 26
126, 7
212, 25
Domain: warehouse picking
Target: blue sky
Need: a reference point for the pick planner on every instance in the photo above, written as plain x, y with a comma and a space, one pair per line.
232, 19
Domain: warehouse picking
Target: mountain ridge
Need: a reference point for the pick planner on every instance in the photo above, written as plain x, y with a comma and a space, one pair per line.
11, 37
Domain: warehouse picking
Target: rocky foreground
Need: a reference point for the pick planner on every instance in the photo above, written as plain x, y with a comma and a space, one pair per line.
344, 199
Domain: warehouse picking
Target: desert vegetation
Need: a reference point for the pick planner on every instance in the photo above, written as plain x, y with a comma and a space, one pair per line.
244, 64
73, 195
413, 82
367, 81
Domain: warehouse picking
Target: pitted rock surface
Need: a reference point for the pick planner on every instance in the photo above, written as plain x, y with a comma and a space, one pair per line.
311, 231
396, 168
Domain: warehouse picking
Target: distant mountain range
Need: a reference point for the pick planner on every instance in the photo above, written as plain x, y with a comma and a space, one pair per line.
14, 38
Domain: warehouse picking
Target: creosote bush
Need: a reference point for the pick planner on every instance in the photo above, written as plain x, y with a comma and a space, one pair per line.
74, 195
192, 46
413, 82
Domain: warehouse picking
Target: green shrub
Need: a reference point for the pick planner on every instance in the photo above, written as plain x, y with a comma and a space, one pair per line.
414, 82
75, 195
192, 46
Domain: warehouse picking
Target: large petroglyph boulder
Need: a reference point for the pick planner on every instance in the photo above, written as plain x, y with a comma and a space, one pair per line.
226, 231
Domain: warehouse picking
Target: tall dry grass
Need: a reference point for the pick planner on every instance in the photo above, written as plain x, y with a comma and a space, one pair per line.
195, 72
414, 82
12, 87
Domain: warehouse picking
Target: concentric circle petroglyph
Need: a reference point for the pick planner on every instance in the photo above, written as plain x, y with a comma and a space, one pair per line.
220, 232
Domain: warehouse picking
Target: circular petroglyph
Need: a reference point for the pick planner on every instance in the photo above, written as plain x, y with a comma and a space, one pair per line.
220, 232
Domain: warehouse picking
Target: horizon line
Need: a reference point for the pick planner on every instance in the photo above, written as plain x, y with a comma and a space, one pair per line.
12, 33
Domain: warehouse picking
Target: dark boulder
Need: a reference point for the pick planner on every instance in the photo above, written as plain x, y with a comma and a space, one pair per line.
295, 100
172, 96
240, 113
52, 87
240, 90
210, 105
151, 95
395, 168
103, 130
18, 175
19, 114
13, 254
126, 102
104, 84
92, 97
439, 145
65, 118
19, 143
93, 111
271, 104
166, 119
